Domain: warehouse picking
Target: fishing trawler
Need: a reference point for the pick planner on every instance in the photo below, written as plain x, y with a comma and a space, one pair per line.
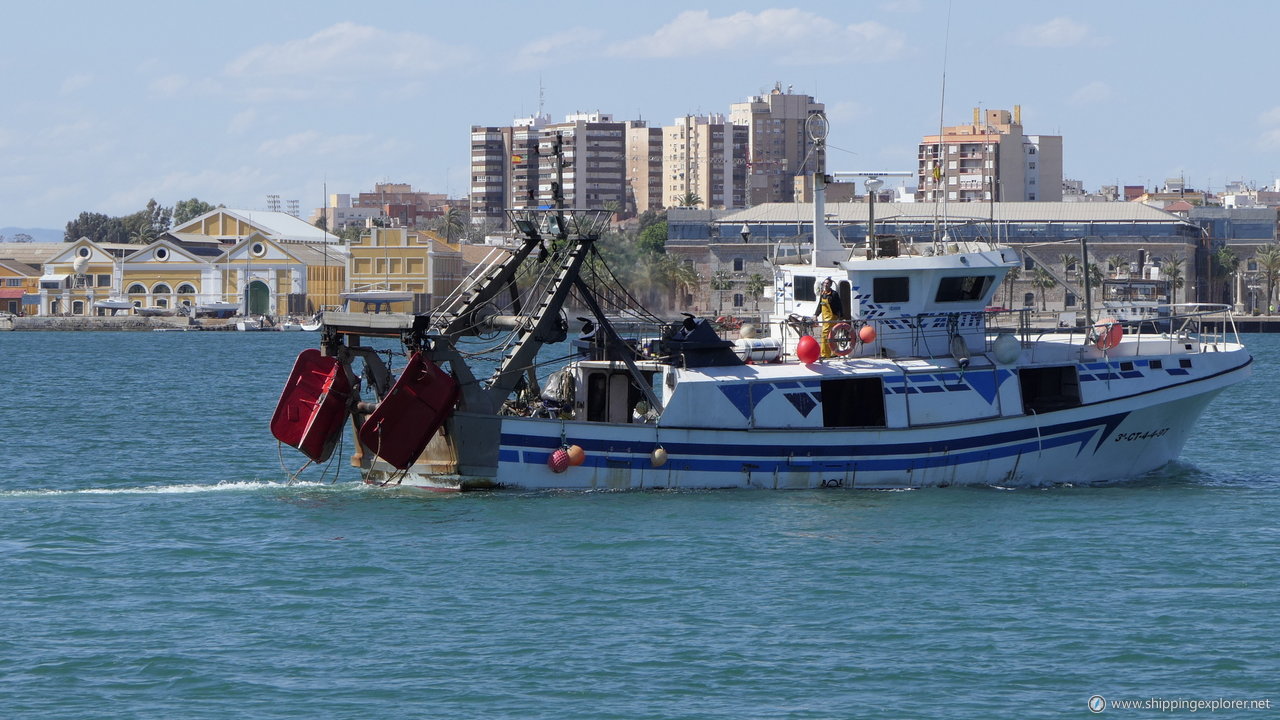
922, 386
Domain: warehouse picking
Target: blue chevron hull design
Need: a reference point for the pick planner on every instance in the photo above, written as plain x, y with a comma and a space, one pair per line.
1102, 442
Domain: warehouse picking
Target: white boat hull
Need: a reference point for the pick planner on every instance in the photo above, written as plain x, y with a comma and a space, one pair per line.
1103, 441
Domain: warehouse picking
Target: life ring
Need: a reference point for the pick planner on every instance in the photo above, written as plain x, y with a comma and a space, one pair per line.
1108, 333
840, 338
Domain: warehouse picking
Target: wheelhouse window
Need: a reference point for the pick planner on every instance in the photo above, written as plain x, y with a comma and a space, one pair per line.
963, 288
891, 289
804, 288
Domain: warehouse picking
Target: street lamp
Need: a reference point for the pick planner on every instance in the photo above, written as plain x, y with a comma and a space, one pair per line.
873, 186
745, 233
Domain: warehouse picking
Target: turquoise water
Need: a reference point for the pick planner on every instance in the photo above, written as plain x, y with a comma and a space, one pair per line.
156, 564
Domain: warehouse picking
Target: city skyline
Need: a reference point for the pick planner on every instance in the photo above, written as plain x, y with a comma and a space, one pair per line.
109, 106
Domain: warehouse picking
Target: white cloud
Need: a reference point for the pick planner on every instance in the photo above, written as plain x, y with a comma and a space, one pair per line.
799, 37
558, 47
1057, 33
242, 121
1270, 139
904, 6
1092, 94
1270, 117
311, 142
169, 85
75, 83
348, 50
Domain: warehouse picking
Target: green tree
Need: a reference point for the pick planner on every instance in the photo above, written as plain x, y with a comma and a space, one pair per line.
185, 210
1096, 276
452, 224
1041, 280
653, 239
755, 286
1015, 273
689, 200
1226, 265
721, 281
1268, 257
1171, 269
97, 227
1115, 262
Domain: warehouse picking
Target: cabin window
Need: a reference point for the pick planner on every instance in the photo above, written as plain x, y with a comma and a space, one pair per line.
853, 402
804, 288
963, 288
891, 289
1047, 389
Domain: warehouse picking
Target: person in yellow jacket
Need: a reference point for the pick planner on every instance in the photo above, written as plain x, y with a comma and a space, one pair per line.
830, 312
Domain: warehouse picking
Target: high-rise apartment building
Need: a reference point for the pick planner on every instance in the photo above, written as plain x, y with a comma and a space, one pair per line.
644, 167
990, 160
515, 166
780, 146
703, 155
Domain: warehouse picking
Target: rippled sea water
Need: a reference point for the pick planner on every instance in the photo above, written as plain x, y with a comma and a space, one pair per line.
156, 563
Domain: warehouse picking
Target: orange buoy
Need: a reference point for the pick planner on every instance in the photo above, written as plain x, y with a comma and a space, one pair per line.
1108, 332
576, 455
807, 350
867, 334
558, 461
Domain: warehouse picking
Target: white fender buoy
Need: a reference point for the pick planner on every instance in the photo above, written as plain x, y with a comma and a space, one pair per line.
658, 457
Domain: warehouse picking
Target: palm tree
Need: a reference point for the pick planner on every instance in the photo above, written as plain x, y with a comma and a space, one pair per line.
1069, 263
687, 280
1172, 271
1268, 257
453, 222
1096, 276
1015, 273
689, 199
1227, 265
1041, 280
1115, 262
720, 282
755, 288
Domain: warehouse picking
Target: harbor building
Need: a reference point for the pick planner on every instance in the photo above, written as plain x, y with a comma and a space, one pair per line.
742, 243
398, 259
779, 145
19, 283
704, 156
990, 160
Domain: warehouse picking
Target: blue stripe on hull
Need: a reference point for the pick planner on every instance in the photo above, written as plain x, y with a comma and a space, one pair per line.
822, 449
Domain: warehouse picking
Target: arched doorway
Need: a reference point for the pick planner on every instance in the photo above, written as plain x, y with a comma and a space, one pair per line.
259, 298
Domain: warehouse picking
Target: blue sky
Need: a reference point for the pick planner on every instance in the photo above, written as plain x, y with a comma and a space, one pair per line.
105, 105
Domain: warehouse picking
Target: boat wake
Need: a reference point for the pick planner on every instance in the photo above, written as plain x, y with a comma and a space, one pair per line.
181, 489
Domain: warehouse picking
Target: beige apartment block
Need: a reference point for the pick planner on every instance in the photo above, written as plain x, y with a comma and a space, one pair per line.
704, 156
644, 167
990, 159
779, 143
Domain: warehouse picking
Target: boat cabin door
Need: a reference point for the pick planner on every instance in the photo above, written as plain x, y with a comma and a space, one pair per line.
611, 394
